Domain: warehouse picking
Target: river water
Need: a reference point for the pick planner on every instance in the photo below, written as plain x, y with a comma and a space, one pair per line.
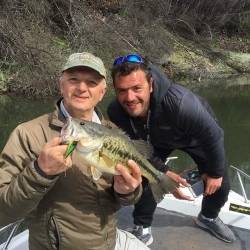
230, 99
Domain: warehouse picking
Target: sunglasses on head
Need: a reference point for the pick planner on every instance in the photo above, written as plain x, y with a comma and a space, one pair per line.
133, 58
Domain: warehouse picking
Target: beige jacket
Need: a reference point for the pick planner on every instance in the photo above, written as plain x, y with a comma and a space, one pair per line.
68, 212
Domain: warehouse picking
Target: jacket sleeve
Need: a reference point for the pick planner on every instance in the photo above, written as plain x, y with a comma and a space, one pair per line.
131, 198
21, 186
198, 124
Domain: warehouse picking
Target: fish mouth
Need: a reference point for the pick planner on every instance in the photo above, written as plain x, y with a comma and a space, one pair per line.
69, 133
66, 131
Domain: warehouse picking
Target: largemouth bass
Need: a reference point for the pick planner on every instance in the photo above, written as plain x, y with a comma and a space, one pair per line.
102, 149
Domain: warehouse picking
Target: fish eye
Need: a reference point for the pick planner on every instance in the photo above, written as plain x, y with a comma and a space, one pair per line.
82, 123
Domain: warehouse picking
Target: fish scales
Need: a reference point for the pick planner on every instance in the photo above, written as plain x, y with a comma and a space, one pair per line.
118, 151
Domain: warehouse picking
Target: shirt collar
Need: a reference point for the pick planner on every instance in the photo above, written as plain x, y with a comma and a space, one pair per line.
66, 114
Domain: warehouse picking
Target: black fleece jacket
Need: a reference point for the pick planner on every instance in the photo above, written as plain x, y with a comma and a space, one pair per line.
179, 119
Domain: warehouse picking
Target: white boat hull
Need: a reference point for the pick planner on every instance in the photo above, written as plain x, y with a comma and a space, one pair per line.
19, 242
192, 208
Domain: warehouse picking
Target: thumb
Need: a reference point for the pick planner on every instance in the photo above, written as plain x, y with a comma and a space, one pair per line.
183, 182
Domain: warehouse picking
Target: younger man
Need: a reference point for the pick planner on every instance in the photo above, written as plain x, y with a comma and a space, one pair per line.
149, 106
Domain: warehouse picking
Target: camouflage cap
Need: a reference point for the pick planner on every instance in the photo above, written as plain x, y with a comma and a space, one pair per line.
87, 60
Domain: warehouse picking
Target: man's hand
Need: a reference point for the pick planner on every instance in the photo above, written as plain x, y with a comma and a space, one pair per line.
211, 184
52, 157
181, 181
127, 182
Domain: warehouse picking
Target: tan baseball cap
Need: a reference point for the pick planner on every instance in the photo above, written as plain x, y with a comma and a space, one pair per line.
87, 60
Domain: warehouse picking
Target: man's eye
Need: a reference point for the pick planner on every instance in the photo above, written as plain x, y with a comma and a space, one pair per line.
73, 80
119, 91
137, 89
92, 83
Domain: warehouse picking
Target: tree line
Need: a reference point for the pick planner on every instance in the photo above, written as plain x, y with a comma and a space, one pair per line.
36, 36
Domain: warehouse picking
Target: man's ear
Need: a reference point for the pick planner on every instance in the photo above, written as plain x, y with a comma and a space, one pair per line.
151, 82
103, 91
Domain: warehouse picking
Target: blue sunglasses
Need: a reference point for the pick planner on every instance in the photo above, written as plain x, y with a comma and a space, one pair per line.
133, 58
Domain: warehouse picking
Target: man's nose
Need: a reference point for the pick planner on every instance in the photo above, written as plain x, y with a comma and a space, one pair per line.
82, 85
130, 95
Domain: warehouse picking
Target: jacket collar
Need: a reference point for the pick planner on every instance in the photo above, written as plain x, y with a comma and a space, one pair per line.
57, 118
161, 84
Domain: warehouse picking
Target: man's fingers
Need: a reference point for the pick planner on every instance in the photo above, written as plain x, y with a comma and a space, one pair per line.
210, 190
186, 197
56, 146
61, 149
119, 181
183, 182
180, 195
212, 185
132, 179
135, 170
124, 172
177, 178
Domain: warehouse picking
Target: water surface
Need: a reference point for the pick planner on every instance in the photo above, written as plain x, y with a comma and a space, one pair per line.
230, 99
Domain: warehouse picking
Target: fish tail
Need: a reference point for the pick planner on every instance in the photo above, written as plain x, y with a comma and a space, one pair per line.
163, 186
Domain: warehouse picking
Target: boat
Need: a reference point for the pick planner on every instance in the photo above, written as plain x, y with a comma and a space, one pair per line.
173, 226
14, 236
235, 212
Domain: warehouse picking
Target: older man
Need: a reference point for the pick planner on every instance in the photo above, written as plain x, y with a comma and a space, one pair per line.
66, 208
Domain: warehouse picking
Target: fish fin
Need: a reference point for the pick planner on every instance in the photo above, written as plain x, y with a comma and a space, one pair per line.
96, 174
70, 148
106, 160
118, 131
144, 148
162, 187
89, 170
